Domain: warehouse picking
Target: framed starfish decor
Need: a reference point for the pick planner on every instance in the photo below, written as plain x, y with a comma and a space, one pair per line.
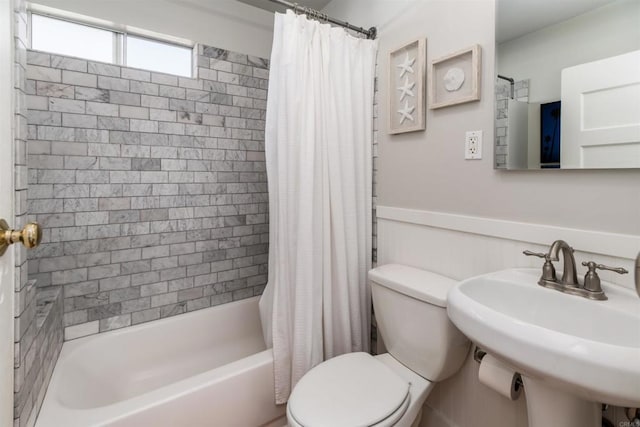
455, 79
406, 87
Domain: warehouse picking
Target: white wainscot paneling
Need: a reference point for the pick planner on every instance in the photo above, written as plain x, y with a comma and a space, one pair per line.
461, 246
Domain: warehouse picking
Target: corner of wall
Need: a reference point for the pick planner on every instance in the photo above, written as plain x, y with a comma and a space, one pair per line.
37, 315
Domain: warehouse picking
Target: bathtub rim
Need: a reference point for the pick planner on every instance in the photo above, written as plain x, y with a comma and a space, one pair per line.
73, 344
56, 411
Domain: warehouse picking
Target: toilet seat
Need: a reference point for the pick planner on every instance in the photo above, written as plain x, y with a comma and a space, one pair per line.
354, 389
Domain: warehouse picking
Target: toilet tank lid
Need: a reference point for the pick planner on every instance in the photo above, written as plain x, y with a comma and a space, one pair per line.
420, 284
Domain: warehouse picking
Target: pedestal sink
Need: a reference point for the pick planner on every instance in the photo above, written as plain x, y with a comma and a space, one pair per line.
573, 354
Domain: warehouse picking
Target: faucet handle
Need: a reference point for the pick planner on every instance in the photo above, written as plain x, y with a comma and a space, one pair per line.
538, 254
593, 265
592, 280
548, 270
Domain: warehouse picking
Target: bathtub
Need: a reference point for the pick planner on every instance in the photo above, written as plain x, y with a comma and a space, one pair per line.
205, 368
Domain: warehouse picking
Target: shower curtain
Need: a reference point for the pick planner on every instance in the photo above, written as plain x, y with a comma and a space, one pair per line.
319, 130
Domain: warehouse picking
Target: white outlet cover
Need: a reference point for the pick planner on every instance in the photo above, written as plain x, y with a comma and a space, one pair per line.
473, 145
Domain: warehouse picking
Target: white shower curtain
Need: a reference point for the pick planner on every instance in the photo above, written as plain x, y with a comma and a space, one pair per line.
319, 131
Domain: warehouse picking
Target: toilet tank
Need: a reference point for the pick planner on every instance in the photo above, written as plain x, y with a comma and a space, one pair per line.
411, 315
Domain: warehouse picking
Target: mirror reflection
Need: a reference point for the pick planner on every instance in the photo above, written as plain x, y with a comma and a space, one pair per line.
568, 84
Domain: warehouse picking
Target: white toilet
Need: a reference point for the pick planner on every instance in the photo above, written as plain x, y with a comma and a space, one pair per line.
357, 389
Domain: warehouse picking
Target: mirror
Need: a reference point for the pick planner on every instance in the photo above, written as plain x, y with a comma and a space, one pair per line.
568, 84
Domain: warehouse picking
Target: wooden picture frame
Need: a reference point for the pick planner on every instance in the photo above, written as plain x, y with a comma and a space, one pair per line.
455, 79
407, 100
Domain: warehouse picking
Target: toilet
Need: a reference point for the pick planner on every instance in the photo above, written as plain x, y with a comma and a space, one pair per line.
424, 347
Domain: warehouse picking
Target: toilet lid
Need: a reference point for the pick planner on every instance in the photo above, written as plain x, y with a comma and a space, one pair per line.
351, 390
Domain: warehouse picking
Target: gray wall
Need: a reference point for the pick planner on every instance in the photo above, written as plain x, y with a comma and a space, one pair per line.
540, 56
426, 170
151, 188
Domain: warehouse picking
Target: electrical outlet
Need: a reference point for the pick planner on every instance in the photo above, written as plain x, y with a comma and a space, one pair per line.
473, 145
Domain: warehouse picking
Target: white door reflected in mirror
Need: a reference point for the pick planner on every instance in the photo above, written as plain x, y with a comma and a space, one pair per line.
601, 113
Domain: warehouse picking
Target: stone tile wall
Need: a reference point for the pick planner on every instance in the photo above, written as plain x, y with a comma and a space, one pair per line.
503, 93
37, 315
374, 180
151, 188
42, 356
374, 203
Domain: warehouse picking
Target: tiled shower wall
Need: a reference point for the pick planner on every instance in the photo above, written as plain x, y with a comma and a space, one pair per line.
503, 93
38, 312
374, 203
151, 188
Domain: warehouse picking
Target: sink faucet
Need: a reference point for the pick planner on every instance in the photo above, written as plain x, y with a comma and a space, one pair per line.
591, 288
569, 276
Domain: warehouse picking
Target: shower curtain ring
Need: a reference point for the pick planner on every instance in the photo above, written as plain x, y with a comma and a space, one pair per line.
295, 8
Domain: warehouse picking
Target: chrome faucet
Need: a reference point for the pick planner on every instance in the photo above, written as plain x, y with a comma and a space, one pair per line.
569, 275
591, 287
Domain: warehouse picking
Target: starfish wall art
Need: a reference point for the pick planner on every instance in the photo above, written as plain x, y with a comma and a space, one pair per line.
407, 78
405, 90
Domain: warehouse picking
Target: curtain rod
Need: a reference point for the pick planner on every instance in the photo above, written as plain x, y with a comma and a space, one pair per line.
512, 83
371, 33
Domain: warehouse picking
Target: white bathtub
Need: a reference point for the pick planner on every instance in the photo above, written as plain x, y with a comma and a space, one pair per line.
205, 368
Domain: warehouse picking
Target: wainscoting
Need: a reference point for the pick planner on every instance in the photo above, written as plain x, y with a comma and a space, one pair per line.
460, 247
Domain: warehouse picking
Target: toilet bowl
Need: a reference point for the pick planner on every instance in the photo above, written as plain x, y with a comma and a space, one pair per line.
374, 391
424, 347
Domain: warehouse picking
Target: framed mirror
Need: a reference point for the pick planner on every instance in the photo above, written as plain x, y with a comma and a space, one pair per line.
568, 84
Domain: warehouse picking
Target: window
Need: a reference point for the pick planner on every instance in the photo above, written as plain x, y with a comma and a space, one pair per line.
67, 38
158, 56
98, 43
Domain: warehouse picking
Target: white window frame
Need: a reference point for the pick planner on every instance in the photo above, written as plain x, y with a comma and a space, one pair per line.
119, 32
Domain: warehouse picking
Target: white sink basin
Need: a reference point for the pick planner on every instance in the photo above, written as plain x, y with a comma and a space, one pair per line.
589, 349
